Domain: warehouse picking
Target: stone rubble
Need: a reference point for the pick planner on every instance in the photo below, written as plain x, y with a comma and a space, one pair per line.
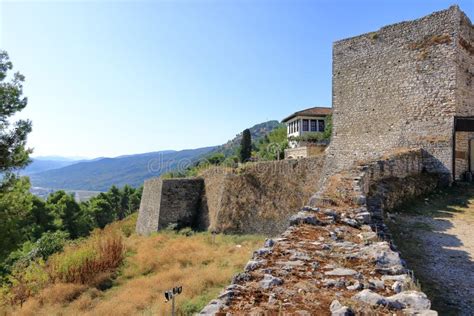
305, 270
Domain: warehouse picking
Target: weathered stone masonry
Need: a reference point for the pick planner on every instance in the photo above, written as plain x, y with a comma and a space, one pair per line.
257, 198
170, 201
402, 86
330, 260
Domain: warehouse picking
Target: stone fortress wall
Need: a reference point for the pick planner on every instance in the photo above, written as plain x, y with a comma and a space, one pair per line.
402, 86
254, 199
170, 201
336, 259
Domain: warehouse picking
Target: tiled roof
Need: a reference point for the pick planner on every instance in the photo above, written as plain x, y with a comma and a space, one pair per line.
316, 111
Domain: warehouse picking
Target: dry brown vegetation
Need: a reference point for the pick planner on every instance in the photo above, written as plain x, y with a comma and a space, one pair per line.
203, 265
431, 41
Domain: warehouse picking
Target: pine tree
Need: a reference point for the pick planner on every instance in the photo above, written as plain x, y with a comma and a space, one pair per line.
13, 151
245, 146
16, 202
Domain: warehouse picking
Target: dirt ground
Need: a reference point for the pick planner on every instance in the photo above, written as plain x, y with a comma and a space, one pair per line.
436, 237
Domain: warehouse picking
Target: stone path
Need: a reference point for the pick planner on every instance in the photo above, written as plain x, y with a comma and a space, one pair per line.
324, 264
439, 246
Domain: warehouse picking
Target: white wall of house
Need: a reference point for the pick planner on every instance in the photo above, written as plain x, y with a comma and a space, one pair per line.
298, 126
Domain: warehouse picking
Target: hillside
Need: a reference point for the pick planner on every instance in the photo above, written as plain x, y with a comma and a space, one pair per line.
257, 132
40, 165
134, 281
100, 174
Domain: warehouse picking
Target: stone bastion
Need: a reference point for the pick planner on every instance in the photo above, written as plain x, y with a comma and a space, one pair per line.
257, 198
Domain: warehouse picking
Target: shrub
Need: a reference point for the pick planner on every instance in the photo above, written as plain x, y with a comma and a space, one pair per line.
24, 282
127, 225
50, 243
82, 262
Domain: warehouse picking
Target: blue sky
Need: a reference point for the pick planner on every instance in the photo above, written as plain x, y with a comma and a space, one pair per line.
107, 78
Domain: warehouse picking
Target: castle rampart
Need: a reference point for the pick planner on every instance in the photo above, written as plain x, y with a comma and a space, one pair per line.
257, 198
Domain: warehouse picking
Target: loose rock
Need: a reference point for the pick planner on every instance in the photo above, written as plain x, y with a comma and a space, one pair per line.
304, 218
411, 299
369, 297
341, 272
270, 281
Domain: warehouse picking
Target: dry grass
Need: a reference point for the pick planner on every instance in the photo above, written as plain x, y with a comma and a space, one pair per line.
88, 261
151, 266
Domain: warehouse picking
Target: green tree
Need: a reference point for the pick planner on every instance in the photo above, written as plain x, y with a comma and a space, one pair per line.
15, 205
13, 151
114, 204
39, 219
327, 127
135, 199
16, 202
101, 211
273, 145
216, 158
69, 216
114, 197
245, 146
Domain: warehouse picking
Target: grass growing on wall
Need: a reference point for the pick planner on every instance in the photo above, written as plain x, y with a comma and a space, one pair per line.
118, 272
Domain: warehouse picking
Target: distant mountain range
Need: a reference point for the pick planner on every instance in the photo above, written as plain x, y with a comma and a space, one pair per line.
101, 173
39, 165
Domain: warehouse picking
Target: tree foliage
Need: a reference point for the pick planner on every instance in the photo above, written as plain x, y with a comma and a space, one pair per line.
16, 204
35, 228
116, 204
31, 228
13, 151
273, 145
245, 151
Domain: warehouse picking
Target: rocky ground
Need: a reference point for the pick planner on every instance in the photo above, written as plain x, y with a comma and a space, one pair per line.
326, 263
436, 237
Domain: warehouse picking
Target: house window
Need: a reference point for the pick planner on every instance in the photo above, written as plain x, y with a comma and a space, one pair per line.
321, 125
314, 127
305, 125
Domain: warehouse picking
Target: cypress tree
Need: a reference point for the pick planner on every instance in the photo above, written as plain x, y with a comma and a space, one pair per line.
245, 146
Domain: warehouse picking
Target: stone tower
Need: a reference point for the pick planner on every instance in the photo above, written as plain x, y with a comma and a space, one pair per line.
410, 84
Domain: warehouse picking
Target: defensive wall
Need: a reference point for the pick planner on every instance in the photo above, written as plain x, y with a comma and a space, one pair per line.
336, 257
170, 201
256, 198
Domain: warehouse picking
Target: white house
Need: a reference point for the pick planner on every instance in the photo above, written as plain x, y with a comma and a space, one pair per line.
306, 121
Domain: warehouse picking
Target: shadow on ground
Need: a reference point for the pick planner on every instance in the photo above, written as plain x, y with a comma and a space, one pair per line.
433, 234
